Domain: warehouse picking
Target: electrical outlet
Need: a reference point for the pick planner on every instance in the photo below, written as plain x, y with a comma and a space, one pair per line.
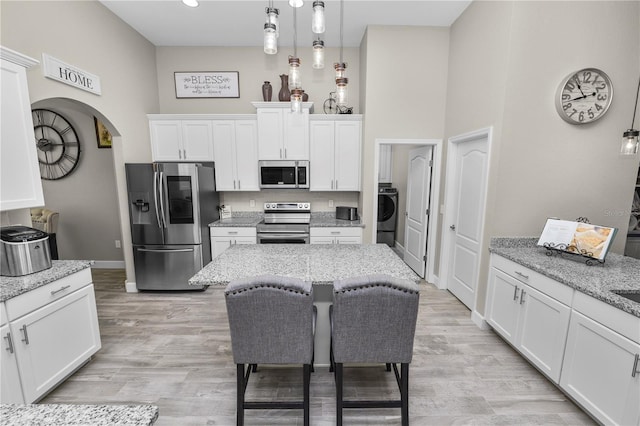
330, 203
252, 203
118, 245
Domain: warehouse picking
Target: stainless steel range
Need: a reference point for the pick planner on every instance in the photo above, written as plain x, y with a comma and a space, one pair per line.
285, 223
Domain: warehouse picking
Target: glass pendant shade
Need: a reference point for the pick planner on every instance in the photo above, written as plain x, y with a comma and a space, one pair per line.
317, 19
630, 141
190, 3
272, 18
294, 73
296, 100
270, 39
340, 68
296, 3
341, 91
318, 54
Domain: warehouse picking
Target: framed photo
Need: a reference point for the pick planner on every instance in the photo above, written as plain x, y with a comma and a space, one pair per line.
102, 134
207, 84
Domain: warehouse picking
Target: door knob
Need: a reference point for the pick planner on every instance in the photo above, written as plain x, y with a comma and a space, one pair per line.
452, 227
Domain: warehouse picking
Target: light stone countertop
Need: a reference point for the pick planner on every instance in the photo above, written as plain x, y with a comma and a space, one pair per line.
14, 286
85, 415
318, 220
617, 273
318, 263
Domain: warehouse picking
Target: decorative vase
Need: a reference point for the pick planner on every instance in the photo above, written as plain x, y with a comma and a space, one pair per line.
267, 91
305, 96
284, 95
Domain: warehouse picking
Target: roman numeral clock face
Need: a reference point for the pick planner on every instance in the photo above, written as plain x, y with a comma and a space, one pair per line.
584, 96
57, 144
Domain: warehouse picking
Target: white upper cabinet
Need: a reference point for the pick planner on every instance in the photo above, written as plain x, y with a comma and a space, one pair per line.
181, 140
335, 155
282, 134
236, 154
19, 171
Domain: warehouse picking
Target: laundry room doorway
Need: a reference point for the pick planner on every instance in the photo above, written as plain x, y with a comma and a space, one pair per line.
394, 184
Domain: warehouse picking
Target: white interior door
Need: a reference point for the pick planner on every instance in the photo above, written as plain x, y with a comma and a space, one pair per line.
466, 215
417, 216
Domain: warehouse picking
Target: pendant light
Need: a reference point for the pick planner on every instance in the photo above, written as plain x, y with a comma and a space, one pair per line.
271, 30
317, 19
340, 67
295, 83
296, 3
630, 138
296, 100
318, 54
190, 3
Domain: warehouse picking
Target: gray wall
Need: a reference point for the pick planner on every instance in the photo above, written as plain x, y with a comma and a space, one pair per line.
506, 62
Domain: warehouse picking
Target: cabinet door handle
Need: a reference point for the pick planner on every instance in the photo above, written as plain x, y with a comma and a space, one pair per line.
63, 288
526, 277
515, 293
232, 232
180, 154
24, 332
239, 187
184, 154
522, 293
635, 366
336, 183
280, 153
10, 344
285, 153
234, 184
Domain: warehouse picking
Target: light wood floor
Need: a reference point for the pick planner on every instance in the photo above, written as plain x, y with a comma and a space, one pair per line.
173, 350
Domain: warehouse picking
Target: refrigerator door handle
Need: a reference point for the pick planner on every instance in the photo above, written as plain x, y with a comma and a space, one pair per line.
155, 196
166, 250
162, 192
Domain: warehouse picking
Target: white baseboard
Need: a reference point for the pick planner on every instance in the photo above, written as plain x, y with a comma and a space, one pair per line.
108, 264
479, 320
130, 287
399, 247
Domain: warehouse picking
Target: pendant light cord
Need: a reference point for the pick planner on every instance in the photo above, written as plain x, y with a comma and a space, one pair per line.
635, 107
295, 33
341, 27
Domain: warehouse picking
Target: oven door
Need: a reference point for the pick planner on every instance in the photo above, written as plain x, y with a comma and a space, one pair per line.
273, 238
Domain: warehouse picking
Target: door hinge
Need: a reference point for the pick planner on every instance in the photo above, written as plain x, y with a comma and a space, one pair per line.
427, 212
424, 258
430, 163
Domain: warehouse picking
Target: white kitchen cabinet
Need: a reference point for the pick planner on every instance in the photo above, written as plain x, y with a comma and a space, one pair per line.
385, 168
335, 235
181, 140
335, 153
20, 185
531, 312
601, 370
235, 145
282, 134
224, 237
10, 386
55, 330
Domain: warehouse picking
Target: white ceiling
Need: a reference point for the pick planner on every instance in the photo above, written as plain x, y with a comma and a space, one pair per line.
240, 22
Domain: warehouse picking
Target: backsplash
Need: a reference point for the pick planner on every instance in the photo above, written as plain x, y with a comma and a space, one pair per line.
241, 201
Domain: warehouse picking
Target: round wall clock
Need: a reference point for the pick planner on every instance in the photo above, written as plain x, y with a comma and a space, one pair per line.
584, 96
57, 142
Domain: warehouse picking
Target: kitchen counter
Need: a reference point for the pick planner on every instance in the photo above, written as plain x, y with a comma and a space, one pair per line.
617, 273
318, 220
318, 263
14, 286
85, 415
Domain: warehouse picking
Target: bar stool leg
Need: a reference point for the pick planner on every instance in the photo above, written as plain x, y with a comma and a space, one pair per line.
339, 397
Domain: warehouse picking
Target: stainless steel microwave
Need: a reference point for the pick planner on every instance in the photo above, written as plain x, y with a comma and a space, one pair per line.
284, 174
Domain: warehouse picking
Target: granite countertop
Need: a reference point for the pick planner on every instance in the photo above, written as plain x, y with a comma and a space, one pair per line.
318, 263
252, 219
617, 273
85, 415
14, 286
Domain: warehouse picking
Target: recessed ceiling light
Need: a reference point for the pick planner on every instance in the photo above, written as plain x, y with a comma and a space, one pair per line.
191, 3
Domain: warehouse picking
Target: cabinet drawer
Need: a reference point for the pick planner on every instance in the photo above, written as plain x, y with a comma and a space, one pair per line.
562, 293
609, 316
336, 232
233, 232
28, 302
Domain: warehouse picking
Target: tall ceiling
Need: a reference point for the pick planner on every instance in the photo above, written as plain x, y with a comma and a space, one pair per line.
240, 22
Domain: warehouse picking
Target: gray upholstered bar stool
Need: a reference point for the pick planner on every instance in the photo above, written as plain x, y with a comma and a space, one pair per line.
272, 321
373, 320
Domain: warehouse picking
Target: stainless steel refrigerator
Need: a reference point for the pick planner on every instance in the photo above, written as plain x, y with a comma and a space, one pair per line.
170, 208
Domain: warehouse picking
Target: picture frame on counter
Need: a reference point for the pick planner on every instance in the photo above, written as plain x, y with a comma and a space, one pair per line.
103, 136
207, 84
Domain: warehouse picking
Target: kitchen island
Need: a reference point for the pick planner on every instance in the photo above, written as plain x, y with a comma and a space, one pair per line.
319, 264
85, 415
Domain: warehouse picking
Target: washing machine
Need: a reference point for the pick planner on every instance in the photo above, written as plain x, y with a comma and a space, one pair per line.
387, 215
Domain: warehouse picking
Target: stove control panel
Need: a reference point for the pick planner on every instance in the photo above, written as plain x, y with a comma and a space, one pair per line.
287, 206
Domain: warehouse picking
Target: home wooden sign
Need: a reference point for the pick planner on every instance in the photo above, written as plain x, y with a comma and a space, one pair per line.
210, 84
